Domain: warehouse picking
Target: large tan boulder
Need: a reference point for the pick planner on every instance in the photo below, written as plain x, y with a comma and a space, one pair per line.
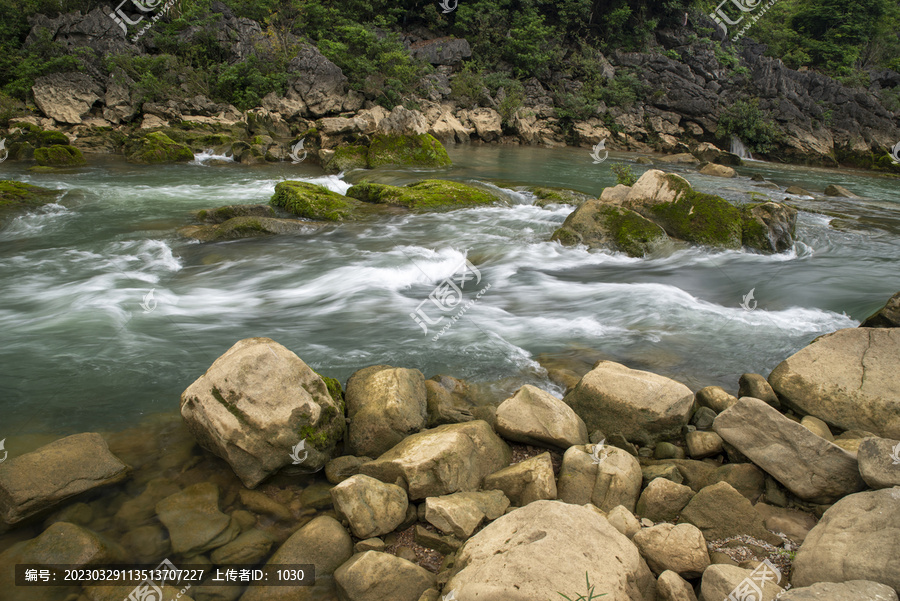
532, 416
460, 513
879, 462
606, 478
65, 97
848, 379
853, 590
858, 538
525, 482
372, 507
38, 481
719, 511
500, 561
442, 460
194, 520
375, 576
256, 404
641, 406
721, 580
385, 404
811, 467
487, 122
681, 549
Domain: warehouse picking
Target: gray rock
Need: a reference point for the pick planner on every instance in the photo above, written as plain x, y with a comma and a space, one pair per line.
65, 97
448, 401
756, 386
532, 416
373, 576
886, 317
249, 548
853, 590
835, 190
672, 587
769, 226
808, 465
525, 482
372, 507
703, 444
442, 460
852, 542
36, 482
605, 478
642, 406
385, 404
320, 82
719, 511
663, 500
703, 418
847, 378
680, 548
340, 468
194, 521
879, 462
715, 398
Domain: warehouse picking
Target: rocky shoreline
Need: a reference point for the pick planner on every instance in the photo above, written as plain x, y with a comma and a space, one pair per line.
632, 485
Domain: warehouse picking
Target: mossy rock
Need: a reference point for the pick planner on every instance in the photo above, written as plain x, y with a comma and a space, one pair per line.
422, 150
312, 201
52, 138
346, 158
223, 214
605, 226
768, 226
698, 218
157, 148
428, 194
18, 196
546, 196
247, 227
59, 156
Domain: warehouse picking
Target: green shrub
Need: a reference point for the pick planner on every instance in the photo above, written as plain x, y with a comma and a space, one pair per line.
624, 174
748, 122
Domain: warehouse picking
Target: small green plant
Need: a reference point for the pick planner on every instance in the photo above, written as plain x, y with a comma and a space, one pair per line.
785, 553
587, 596
624, 175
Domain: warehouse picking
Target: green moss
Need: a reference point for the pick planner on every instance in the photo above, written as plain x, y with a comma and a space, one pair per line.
547, 196
421, 150
633, 234
428, 194
59, 156
201, 214
699, 218
311, 201
228, 405
565, 236
156, 148
753, 233
17, 196
348, 157
335, 390
52, 138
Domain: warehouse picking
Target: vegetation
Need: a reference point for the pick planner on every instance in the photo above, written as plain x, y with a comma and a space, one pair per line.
748, 122
588, 595
624, 175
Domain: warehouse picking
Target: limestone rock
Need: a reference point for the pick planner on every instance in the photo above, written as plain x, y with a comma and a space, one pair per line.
374, 576
605, 478
719, 511
372, 507
680, 548
532, 416
525, 482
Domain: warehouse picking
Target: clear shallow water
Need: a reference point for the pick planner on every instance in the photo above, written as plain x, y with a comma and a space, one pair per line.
80, 352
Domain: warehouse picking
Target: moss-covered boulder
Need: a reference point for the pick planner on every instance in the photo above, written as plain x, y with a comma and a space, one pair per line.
53, 138
237, 228
547, 195
428, 194
599, 225
768, 226
59, 155
423, 150
19, 196
346, 158
156, 148
223, 214
312, 201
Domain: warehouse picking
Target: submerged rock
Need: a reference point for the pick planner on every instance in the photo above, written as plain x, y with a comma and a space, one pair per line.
599, 225
59, 155
194, 521
312, 201
769, 226
155, 148
374, 576
19, 196
248, 227
547, 195
412, 150
426, 194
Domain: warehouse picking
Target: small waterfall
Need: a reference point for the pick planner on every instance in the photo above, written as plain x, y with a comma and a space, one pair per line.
738, 148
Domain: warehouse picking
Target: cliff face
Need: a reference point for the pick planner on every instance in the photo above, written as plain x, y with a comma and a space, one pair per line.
819, 120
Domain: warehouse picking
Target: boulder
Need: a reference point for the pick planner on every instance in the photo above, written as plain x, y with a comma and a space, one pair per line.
879, 462
525, 482
768, 226
682, 158
615, 195
817, 427
65, 97
681, 549
372, 507
662, 500
259, 406
746, 478
448, 401
36, 482
194, 521
461, 513
721, 581
854, 540
16, 197
797, 191
793, 523
384, 404
715, 398
707, 153
248, 227
808, 465
442, 460
499, 562
624, 521
403, 122
59, 155
374, 576
886, 317
448, 129
319, 82
312, 201
487, 122
718, 170
420, 150
534, 417
756, 386
640, 405
251, 547
847, 378
340, 468
835, 190
719, 511
156, 148
322, 542
703, 444
423, 195
672, 587
853, 590
605, 478
600, 225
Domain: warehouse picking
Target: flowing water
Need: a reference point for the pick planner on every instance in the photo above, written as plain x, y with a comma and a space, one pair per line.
86, 347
